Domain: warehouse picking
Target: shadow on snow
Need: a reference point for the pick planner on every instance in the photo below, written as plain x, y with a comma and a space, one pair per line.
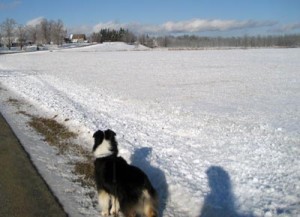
220, 200
156, 176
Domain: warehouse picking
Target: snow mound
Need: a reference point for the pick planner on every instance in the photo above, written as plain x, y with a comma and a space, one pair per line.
112, 46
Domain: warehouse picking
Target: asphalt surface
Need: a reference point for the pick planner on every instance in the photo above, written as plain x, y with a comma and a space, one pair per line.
23, 192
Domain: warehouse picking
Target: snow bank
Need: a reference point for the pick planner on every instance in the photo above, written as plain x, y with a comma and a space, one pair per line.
112, 46
80, 47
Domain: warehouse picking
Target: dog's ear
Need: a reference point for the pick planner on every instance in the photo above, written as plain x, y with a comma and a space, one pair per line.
109, 134
98, 136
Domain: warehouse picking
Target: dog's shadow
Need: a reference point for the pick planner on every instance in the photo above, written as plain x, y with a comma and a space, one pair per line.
156, 176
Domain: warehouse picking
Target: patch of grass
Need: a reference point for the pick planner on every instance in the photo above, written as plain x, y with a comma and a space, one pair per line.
86, 171
24, 113
55, 133
59, 136
14, 102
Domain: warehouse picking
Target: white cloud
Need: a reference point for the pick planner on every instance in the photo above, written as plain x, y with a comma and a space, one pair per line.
10, 5
35, 21
189, 26
82, 29
198, 25
290, 27
109, 25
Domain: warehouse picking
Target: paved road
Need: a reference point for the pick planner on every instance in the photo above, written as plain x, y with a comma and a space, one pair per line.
23, 193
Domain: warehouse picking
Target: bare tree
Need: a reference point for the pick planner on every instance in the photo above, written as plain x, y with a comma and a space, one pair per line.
95, 37
22, 35
164, 41
57, 32
33, 34
45, 29
128, 37
8, 28
0, 38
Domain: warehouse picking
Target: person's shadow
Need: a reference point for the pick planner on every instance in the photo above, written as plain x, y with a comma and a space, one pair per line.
220, 201
156, 176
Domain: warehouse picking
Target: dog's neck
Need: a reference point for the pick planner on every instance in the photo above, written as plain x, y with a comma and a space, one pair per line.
103, 150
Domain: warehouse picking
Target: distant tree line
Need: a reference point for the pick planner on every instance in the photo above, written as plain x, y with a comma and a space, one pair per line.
192, 41
44, 32
105, 35
54, 32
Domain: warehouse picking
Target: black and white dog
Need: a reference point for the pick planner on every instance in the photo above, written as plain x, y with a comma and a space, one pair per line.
120, 186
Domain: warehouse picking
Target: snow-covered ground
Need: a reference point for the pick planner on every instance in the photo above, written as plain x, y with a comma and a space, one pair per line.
217, 131
89, 47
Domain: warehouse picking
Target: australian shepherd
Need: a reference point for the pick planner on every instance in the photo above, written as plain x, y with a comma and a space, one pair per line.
121, 187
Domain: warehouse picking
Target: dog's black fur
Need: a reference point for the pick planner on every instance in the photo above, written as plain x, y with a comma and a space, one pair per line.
120, 181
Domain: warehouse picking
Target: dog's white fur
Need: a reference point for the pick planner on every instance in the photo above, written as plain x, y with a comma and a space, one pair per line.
103, 150
103, 199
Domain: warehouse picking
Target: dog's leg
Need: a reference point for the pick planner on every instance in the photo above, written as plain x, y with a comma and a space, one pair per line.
130, 213
103, 199
150, 205
115, 206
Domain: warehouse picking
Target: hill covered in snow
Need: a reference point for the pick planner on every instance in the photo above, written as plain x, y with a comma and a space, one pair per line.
112, 46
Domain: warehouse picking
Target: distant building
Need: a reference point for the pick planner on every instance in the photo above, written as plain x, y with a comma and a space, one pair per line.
77, 38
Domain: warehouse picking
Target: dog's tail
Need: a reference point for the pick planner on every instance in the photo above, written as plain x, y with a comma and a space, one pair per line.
150, 201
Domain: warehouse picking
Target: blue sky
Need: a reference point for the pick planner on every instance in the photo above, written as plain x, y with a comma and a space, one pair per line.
203, 17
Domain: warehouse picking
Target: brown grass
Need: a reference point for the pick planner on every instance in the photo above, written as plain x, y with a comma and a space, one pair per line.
55, 133
24, 113
14, 102
86, 171
59, 136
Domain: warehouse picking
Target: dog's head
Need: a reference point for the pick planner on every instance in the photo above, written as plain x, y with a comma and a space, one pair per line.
105, 143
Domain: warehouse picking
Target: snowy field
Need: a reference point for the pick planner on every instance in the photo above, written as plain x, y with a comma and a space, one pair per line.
216, 131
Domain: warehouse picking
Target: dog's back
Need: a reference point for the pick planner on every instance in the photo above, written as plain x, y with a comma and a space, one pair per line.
128, 183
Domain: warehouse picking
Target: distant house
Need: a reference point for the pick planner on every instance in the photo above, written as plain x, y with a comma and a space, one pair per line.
77, 38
